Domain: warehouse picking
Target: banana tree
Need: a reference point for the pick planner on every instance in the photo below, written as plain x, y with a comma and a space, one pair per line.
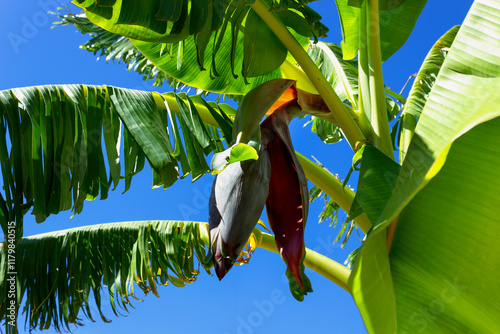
427, 183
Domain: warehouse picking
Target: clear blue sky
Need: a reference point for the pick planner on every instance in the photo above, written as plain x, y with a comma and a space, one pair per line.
234, 305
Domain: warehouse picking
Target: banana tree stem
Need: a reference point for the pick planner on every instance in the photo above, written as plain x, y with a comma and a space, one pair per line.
365, 114
332, 186
321, 264
351, 130
382, 137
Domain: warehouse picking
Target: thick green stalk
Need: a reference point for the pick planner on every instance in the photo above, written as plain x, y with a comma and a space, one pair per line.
380, 123
343, 196
349, 127
365, 114
321, 264
324, 266
408, 125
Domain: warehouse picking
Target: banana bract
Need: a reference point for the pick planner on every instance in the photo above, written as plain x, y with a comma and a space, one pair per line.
287, 203
238, 196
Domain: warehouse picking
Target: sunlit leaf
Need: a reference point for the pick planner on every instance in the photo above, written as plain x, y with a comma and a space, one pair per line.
447, 182
58, 160
395, 26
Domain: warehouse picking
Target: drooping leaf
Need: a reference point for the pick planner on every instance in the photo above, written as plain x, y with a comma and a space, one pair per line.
422, 86
57, 157
160, 21
183, 46
263, 51
58, 273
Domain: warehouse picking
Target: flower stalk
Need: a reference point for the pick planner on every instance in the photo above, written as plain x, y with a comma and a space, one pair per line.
334, 271
333, 187
349, 127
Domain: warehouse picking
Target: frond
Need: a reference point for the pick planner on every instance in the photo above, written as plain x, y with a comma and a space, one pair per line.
61, 144
221, 46
59, 273
117, 48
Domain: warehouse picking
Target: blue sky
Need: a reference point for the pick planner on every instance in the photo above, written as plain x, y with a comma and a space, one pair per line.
253, 298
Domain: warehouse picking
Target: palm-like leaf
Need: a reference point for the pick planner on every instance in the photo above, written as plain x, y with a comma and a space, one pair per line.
51, 141
173, 21
422, 86
63, 271
396, 25
118, 48
343, 76
184, 37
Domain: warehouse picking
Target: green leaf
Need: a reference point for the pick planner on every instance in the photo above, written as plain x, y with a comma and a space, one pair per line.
181, 45
426, 76
195, 124
377, 177
58, 160
139, 112
421, 88
371, 284
188, 73
237, 152
81, 262
444, 195
263, 51
396, 26
326, 131
445, 255
384, 5
342, 74
160, 21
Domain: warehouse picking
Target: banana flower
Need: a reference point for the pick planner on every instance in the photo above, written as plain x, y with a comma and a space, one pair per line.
237, 199
276, 180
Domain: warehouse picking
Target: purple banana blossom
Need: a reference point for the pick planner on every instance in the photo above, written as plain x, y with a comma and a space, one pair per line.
238, 196
240, 192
